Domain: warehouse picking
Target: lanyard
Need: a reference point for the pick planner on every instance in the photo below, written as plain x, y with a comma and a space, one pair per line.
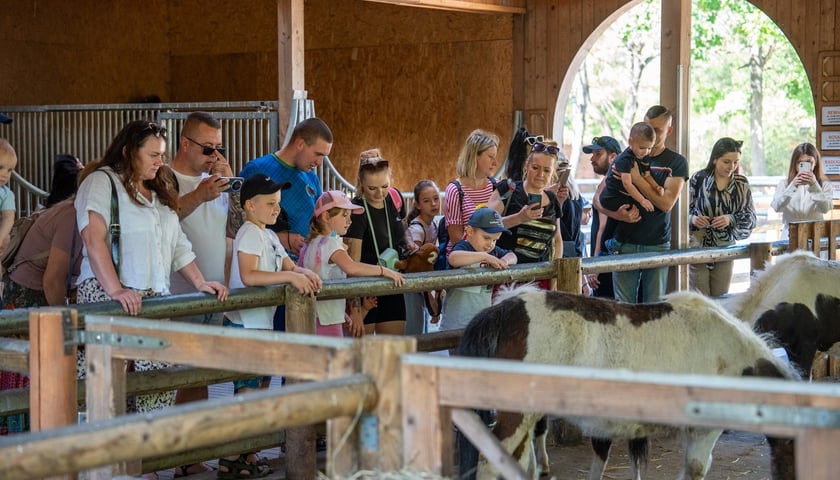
373, 231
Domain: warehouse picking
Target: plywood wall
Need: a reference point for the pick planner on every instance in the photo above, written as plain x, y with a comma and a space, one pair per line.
414, 82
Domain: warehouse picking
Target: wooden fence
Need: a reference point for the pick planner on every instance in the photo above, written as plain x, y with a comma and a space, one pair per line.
237, 352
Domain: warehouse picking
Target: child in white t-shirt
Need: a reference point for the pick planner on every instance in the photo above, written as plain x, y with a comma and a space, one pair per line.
326, 254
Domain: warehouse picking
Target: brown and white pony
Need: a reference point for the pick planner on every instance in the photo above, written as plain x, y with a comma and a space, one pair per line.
794, 278
686, 334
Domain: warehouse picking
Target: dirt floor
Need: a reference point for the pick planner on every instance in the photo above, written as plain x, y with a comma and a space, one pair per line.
737, 456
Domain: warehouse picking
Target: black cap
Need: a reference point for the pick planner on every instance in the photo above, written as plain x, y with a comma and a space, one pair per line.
5, 118
259, 184
603, 143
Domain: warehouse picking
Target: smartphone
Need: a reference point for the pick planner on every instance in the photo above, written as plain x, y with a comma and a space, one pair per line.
804, 166
563, 176
234, 184
535, 198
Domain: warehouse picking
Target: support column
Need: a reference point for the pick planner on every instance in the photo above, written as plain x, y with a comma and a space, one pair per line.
290, 59
674, 94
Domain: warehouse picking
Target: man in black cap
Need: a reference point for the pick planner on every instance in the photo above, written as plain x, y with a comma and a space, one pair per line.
603, 149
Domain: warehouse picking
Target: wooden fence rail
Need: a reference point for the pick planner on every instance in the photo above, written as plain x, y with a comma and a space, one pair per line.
436, 387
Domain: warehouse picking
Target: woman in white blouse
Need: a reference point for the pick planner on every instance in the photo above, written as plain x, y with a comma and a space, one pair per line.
151, 243
805, 194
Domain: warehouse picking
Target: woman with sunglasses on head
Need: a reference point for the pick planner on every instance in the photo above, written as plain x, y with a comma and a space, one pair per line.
530, 208
806, 193
376, 235
150, 243
474, 185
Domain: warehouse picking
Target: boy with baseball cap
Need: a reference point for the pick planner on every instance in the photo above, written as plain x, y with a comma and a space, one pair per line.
478, 249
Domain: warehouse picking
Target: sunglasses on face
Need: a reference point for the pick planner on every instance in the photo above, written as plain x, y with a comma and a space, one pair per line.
205, 150
157, 130
540, 147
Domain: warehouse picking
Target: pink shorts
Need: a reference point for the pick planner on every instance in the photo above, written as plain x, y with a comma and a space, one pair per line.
336, 330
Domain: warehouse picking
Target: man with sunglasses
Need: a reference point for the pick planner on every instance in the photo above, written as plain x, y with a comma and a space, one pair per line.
652, 233
201, 172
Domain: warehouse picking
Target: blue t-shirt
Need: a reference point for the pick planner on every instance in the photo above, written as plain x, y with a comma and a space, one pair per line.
298, 202
7, 198
654, 228
466, 246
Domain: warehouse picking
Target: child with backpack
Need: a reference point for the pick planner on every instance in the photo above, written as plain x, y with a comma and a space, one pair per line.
422, 229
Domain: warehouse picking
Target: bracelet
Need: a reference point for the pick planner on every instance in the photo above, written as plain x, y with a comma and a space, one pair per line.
381, 271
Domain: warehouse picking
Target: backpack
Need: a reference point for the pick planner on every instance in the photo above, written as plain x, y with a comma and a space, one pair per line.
18, 234
443, 234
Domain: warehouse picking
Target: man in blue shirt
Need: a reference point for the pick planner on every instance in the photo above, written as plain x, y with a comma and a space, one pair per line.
296, 163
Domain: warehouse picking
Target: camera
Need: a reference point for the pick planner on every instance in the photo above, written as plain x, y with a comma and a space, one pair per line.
234, 184
804, 166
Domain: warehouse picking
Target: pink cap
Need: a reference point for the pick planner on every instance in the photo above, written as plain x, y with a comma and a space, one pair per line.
335, 199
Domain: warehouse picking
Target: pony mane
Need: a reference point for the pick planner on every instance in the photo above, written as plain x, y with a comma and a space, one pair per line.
514, 290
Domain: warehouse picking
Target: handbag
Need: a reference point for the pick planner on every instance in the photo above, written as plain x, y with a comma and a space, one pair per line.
534, 238
114, 227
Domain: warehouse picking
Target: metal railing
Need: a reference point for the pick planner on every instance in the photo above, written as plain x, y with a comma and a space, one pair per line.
39, 133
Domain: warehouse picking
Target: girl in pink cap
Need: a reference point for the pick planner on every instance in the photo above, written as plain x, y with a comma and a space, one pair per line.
326, 254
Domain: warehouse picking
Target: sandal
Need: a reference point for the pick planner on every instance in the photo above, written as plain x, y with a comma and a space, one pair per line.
187, 470
240, 468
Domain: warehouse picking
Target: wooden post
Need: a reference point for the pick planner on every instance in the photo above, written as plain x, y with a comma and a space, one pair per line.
760, 255
381, 361
568, 275
816, 454
427, 427
300, 441
833, 231
52, 370
343, 444
105, 397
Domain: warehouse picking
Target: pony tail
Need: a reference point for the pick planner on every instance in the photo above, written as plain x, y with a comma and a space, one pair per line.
517, 154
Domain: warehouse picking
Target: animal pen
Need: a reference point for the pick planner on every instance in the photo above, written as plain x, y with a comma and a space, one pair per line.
386, 407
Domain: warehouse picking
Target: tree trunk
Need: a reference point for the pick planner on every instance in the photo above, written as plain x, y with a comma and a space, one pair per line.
757, 61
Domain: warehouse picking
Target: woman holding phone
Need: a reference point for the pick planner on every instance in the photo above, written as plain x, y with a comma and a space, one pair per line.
805, 194
530, 208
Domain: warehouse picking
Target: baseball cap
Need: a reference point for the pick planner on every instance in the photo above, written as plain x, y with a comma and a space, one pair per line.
5, 118
488, 220
259, 184
603, 143
335, 199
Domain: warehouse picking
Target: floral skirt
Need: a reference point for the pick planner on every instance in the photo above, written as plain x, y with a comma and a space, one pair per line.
90, 291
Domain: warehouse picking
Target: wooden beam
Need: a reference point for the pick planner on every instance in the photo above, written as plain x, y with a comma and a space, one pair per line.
290, 59
182, 427
473, 428
516, 7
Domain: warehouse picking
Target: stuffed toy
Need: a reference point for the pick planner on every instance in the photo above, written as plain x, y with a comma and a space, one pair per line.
423, 260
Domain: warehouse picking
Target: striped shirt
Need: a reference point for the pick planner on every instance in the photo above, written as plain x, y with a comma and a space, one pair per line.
458, 212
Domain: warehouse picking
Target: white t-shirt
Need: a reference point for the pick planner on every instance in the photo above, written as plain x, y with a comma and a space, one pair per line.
258, 241
317, 258
205, 228
152, 245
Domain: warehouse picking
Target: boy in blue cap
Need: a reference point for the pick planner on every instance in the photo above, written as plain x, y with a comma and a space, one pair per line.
478, 249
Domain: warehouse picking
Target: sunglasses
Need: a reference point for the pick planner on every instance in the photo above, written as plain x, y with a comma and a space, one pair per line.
207, 151
157, 130
534, 139
373, 163
540, 147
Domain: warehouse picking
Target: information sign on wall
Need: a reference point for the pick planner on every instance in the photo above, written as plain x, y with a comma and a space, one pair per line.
831, 115
831, 164
830, 140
